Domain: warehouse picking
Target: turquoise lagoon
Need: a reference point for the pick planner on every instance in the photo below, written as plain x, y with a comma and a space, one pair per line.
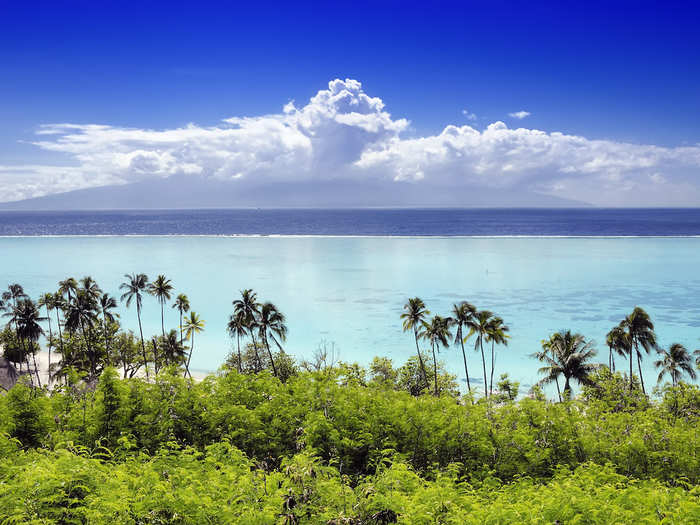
351, 290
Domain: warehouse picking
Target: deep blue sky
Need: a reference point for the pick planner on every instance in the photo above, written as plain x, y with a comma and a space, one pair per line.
628, 72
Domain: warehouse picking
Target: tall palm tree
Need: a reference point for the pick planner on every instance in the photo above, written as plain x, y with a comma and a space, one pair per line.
461, 314
11, 297
675, 362
161, 289
271, 325
107, 304
134, 288
414, 317
249, 308
68, 287
437, 332
28, 321
193, 325
641, 333
571, 356
237, 327
548, 349
47, 300
182, 303
59, 305
497, 333
82, 313
479, 325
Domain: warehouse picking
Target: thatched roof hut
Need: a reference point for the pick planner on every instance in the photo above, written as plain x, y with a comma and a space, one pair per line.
8, 374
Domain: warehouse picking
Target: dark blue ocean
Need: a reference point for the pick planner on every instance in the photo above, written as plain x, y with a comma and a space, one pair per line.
380, 222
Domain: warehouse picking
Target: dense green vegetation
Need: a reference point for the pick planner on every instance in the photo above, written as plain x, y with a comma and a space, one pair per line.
125, 435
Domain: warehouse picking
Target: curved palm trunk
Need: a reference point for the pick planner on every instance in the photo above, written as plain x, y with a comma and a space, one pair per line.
483, 362
420, 357
238, 342
60, 336
435, 369
493, 363
187, 364
36, 371
143, 346
464, 356
631, 372
269, 353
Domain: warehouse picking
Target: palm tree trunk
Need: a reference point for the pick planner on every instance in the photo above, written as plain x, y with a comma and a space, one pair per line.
631, 370
48, 317
143, 346
483, 362
435, 370
493, 362
104, 329
60, 337
272, 361
556, 380
87, 349
36, 370
641, 377
180, 327
420, 357
162, 319
464, 356
238, 341
567, 389
187, 364
258, 363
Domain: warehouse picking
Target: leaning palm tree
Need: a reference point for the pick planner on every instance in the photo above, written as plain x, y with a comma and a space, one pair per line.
134, 288
182, 304
675, 362
413, 319
479, 325
249, 308
497, 333
271, 325
11, 298
461, 314
107, 304
82, 314
571, 354
437, 332
193, 325
237, 327
641, 333
548, 350
617, 341
161, 289
28, 321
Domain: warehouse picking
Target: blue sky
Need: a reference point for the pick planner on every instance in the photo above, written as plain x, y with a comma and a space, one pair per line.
627, 73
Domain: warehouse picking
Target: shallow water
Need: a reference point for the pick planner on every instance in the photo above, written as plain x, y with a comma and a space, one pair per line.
350, 290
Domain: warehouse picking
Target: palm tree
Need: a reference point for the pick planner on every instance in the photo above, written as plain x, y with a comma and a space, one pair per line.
271, 323
172, 349
91, 288
480, 324
413, 319
438, 333
47, 300
161, 289
641, 333
461, 314
134, 288
617, 341
571, 354
107, 304
548, 349
497, 334
14, 293
236, 328
82, 313
248, 307
182, 303
675, 362
193, 325
27, 319
67, 287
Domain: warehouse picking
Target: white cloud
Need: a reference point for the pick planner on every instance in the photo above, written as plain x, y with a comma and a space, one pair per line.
520, 114
469, 115
342, 132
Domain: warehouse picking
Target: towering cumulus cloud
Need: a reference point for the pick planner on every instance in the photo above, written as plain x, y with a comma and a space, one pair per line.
342, 133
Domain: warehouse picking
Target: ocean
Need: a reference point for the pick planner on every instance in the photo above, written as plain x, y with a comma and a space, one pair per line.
342, 276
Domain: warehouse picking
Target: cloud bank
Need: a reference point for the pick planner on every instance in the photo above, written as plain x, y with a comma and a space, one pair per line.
342, 133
